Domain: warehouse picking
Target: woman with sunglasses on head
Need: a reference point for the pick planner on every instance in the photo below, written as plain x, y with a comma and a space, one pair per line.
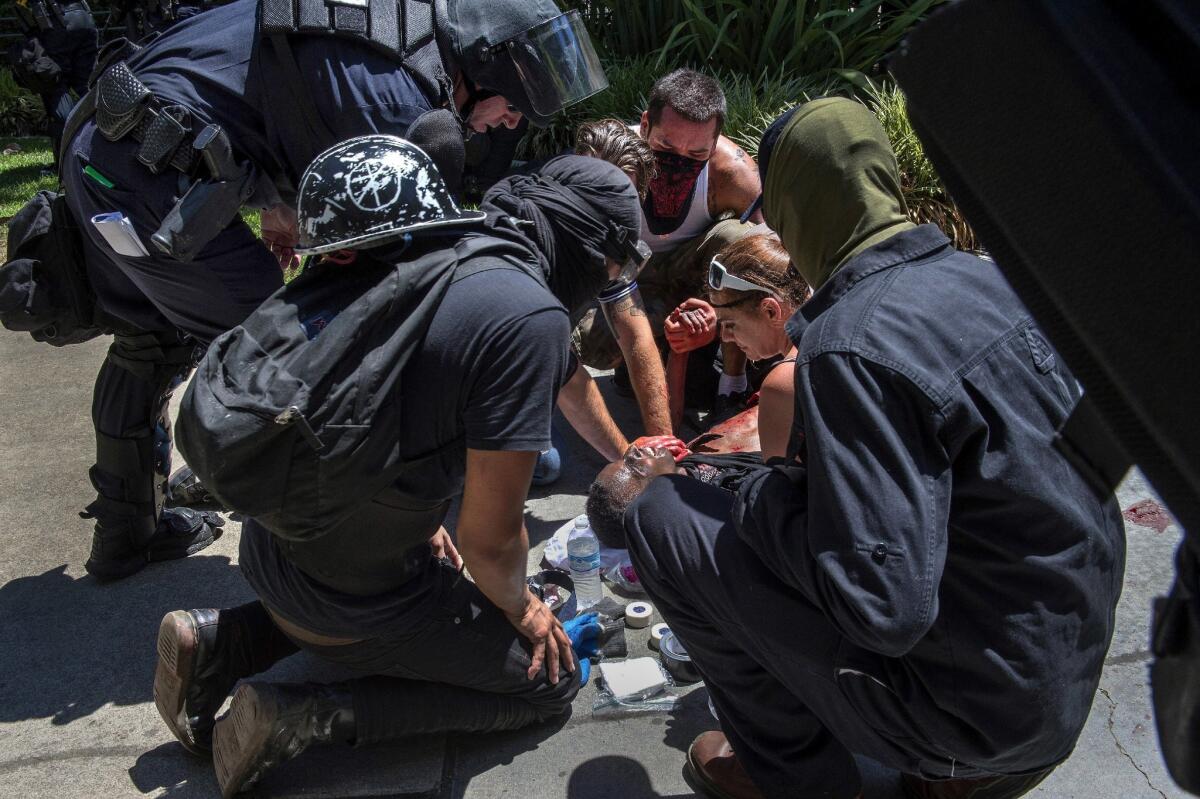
753, 291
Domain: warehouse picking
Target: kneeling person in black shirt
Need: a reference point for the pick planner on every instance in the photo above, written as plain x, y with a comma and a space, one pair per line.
446, 653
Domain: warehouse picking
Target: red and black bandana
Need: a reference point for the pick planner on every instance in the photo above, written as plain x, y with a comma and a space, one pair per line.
671, 190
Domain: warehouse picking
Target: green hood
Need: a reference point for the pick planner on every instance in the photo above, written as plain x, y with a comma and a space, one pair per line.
832, 187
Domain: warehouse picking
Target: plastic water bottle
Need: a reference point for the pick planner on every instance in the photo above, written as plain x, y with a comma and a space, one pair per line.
583, 551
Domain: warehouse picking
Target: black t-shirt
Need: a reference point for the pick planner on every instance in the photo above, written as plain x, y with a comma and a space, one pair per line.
722, 469
205, 64
487, 375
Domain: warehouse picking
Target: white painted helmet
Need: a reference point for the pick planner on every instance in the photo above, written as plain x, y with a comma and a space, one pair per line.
371, 190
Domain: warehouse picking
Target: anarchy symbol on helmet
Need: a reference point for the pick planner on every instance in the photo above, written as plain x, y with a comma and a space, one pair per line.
369, 190
374, 185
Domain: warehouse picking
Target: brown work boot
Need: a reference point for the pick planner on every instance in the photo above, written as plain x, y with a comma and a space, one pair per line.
269, 723
715, 770
998, 787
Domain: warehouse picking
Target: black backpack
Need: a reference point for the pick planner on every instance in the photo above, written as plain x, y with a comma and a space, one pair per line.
293, 417
44, 289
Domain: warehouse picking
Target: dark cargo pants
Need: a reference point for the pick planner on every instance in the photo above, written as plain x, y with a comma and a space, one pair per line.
74, 50
447, 660
795, 698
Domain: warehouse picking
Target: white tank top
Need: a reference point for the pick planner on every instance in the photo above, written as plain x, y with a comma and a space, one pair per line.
696, 223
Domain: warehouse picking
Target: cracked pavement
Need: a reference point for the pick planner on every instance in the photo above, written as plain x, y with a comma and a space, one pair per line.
76, 658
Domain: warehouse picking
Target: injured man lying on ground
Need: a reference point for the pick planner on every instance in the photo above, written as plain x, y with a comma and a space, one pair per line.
721, 457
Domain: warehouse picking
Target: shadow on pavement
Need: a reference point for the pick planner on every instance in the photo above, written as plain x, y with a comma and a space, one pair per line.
611, 775
689, 718
541, 529
173, 771
72, 646
476, 754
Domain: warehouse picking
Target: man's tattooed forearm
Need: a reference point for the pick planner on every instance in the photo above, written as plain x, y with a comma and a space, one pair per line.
629, 305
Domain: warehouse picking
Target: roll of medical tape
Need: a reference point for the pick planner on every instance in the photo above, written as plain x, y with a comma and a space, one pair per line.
638, 614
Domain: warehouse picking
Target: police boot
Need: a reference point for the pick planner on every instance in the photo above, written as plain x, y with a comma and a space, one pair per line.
269, 723
184, 489
201, 655
125, 539
119, 538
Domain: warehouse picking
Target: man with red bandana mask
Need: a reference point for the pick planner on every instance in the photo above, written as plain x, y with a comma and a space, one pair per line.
702, 180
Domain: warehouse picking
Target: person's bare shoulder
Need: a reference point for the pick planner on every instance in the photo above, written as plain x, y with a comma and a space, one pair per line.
776, 405
733, 179
779, 382
729, 160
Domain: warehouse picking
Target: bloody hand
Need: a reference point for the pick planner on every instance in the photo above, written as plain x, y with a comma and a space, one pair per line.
671, 444
690, 326
279, 234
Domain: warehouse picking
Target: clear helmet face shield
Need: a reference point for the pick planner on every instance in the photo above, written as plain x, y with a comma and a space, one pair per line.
556, 64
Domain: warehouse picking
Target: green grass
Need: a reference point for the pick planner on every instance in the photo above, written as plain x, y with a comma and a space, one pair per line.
19, 178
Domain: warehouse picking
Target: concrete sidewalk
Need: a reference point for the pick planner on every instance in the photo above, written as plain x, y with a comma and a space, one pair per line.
77, 658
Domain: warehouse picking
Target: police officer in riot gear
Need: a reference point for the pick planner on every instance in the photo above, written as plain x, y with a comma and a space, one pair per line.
227, 109
56, 56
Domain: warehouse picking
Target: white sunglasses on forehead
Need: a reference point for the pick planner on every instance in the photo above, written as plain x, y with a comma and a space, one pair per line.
719, 278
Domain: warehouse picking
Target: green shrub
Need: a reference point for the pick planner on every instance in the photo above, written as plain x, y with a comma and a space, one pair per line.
752, 103
923, 190
821, 38
21, 112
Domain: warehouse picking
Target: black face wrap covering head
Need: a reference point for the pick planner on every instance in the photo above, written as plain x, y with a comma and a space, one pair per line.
576, 210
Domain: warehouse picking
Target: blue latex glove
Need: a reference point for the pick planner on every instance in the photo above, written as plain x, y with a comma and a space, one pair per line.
584, 632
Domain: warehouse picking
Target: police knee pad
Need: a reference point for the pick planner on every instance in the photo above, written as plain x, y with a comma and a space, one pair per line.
125, 471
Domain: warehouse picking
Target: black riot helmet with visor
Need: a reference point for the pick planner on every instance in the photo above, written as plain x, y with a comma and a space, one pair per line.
537, 57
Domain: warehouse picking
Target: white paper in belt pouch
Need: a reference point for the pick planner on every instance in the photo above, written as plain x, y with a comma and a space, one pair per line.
117, 230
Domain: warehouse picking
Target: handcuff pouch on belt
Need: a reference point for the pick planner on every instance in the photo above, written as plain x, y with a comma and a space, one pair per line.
121, 102
164, 133
126, 107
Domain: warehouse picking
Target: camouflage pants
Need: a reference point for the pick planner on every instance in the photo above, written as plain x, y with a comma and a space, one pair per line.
667, 280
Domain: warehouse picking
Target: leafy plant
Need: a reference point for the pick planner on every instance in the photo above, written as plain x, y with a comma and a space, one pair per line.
923, 190
21, 112
818, 38
752, 103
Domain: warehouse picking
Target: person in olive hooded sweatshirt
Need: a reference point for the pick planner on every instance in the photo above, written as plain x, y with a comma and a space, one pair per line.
924, 580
